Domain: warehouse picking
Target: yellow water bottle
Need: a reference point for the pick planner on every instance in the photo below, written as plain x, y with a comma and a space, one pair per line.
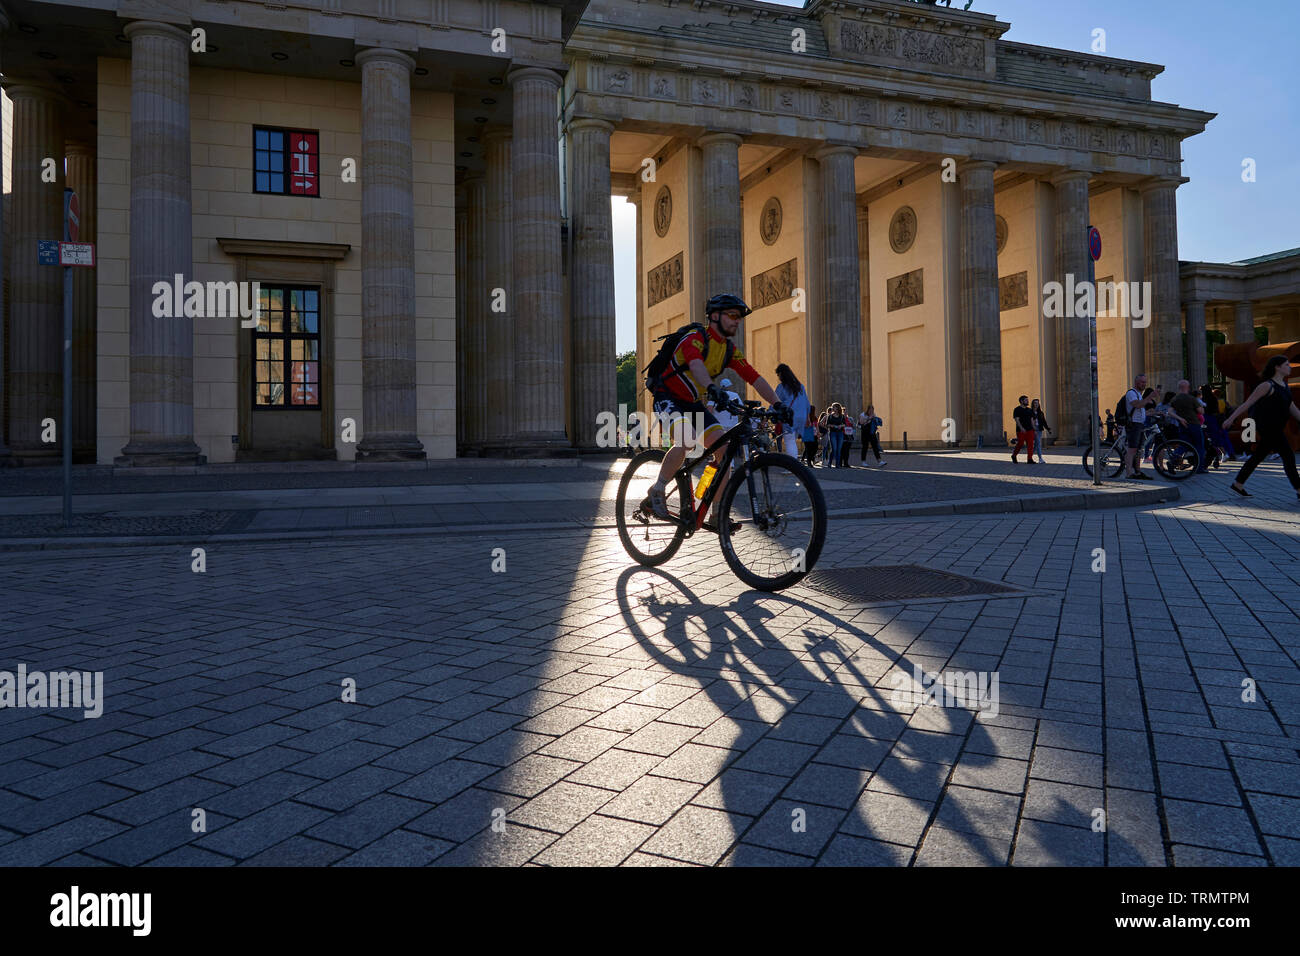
706, 479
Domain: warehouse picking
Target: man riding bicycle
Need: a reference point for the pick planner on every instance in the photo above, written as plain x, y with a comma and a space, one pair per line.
680, 392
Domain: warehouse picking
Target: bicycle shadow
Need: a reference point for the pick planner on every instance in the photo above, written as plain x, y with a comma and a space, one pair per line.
850, 758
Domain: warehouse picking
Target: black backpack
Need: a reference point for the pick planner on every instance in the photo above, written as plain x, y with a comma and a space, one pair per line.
663, 360
1121, 411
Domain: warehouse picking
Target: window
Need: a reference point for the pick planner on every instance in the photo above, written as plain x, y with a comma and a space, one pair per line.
286, 161
286, 348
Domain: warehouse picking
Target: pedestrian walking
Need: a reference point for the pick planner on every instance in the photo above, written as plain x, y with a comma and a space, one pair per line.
1024, 417
1186, 411
870, 434
848, 442
810, 436
1271, 406
824, 435
1214, 411
835, 430
794, 396
1040, 426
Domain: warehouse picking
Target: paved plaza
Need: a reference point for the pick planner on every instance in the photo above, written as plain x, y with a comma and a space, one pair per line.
525, 695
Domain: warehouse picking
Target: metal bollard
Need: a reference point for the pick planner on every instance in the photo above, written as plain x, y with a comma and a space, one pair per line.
904, 441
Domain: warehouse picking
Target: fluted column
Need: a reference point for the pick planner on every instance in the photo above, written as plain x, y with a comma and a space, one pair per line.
477, 300
720, 206
1160, 248
35, 361
538, 292
1074, 373
1198, 372
864, 294
981, 329
462, 280
81, 179
387, 259
1243, 330
500, 351
162, 237
5, 458
841, 318
594, 376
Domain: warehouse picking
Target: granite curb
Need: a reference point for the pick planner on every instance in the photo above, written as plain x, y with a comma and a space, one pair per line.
1011, 504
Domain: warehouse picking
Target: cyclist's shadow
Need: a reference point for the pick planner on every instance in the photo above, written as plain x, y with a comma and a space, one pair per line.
751, 674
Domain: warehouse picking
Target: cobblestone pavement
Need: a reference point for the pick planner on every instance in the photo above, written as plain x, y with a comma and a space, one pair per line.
575, 709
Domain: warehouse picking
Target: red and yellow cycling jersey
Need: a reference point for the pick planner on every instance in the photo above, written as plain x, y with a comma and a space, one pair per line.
679, 381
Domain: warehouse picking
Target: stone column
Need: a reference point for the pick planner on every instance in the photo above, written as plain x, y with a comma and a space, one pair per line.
841, 316
462, 273
1160, 254
387, 259
1243, 330
642, 359
1197, 365
1074, 387
5, 458
35, 342
720, 207
864, 291
538, 290
500, 326
477, 302
162, 239
594, 375
981, 326
81, 178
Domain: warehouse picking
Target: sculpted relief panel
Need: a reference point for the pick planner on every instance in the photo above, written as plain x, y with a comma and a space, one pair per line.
918, 46
905, 291
774, 285
664, 280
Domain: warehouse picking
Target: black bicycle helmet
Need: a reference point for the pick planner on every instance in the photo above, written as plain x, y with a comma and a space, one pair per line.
724, 301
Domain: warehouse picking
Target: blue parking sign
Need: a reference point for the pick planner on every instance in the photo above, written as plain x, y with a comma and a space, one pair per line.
47, 252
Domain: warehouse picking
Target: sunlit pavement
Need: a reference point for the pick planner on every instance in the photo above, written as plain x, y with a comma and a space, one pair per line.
572, 708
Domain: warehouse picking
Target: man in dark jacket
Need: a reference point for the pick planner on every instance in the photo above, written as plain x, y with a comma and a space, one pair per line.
1024, 417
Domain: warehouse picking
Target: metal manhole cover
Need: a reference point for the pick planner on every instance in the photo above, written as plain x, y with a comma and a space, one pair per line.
898, 582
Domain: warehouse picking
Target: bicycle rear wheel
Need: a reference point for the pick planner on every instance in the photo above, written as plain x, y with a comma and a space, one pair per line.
781, 516
649, 540
1112, 461
1175, 459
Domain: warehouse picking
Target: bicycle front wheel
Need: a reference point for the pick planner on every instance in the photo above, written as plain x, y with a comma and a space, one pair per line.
1112, 461
1175, 459
649, 540
774, 522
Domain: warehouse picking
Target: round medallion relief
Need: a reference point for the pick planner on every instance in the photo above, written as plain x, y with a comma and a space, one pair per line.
769, 221
902, 229
1000, 227
663, 211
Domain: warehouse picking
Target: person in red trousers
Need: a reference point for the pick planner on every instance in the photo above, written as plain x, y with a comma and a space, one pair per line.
1024, 416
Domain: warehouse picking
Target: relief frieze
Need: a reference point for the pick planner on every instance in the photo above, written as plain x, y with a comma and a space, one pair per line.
664, 281
775, 284
917, 46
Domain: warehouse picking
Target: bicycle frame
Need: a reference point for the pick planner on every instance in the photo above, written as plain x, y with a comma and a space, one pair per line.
739, 453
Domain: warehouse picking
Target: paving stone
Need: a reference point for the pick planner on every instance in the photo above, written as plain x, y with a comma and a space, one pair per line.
1049, 844
1062, 803
465, 814
597, 841
888, 817
650, 800
741, 791
695, 764
562, 807
615, 769
848, 850
1212, 826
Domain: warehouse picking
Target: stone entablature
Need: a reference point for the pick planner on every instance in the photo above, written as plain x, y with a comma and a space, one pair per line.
663, 94
534, 31
1267, 278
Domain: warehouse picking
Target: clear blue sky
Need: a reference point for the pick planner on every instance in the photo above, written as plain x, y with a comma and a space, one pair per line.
1238, 59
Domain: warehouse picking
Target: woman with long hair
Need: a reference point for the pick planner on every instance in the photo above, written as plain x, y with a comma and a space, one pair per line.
835, 426
869, 425
1040, 426
794, 396
1273, 407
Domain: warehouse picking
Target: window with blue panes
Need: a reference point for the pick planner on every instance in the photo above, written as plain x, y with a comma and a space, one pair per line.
286, 161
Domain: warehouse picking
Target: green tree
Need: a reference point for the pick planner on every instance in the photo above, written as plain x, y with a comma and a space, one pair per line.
627, 380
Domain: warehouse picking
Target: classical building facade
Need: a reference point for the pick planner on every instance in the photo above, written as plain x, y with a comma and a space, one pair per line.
421, 190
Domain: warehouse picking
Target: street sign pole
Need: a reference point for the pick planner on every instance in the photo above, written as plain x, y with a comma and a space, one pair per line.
1094, 253
69, 198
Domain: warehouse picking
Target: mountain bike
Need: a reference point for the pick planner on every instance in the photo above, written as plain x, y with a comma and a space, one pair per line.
1174, 458
771, 517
